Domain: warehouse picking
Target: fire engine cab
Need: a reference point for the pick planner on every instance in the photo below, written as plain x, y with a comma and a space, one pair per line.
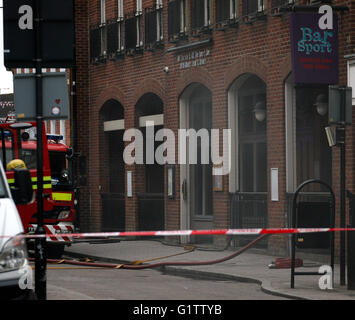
18, 141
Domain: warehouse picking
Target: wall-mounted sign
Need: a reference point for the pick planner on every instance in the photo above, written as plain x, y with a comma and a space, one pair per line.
193, 58
314, 48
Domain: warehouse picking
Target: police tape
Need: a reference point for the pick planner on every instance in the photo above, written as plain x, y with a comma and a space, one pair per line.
167, 233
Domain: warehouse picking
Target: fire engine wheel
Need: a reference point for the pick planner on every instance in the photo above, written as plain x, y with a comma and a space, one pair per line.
55, 251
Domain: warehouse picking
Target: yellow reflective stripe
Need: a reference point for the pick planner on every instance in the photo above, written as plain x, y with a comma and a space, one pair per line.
11, 180
46, 178
60, 196
45, 186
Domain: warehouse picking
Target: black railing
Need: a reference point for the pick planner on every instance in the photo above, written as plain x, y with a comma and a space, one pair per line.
150, 211
248, 210
113, 211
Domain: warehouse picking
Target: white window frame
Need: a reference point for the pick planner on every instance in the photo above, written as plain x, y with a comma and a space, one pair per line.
290, 139
102, 25
208, 12
261, 5
159, 6
233, 12
139, 7
139, 32
102, 12
183, 27
351, 78
120, 11
120, 18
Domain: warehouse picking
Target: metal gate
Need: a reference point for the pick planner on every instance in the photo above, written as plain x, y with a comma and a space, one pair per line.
248, 210
113, 211
150, 211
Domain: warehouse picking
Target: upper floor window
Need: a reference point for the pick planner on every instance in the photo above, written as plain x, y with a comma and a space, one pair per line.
133, 33
115, 37
103, 39
252, 8
226, 12
278, 5
176, 19
200, 11
153, 26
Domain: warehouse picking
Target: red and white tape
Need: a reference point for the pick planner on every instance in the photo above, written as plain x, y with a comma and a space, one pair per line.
167, 233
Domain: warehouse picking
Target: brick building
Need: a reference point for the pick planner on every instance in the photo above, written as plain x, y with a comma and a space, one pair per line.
213, 64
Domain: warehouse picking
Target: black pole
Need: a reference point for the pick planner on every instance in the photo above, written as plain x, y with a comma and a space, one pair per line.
40, 243
342, 189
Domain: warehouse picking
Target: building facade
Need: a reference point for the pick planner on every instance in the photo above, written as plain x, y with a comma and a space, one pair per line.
202, 64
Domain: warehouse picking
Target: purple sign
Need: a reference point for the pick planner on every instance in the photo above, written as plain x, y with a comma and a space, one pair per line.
314, 50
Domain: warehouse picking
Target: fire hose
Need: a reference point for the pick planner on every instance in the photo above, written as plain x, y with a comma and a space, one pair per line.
159, 264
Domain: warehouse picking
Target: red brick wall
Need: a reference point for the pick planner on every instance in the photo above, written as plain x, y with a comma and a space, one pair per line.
261, 48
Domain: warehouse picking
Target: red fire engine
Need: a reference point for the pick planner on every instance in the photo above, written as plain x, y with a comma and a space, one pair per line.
18, 142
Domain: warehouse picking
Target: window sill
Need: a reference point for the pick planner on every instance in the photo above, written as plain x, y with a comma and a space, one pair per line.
175, 38
201, 31
134, 51
279, 11
251, 18
226, 24
154, 45
117, 55
99, 60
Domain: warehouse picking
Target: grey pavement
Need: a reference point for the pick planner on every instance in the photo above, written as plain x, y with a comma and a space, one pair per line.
251, 266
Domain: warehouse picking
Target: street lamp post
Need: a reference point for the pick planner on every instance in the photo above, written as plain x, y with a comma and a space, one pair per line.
40, 243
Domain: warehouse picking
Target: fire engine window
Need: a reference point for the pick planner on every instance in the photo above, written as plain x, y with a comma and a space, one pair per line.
29, 157
58, 165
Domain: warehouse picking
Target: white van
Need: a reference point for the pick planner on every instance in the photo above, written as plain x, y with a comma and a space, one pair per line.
14, 265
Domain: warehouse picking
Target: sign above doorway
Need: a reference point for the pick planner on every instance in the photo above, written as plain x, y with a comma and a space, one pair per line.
314, 48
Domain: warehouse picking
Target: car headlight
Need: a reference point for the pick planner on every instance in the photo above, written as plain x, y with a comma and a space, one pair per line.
64, 214
14, 255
